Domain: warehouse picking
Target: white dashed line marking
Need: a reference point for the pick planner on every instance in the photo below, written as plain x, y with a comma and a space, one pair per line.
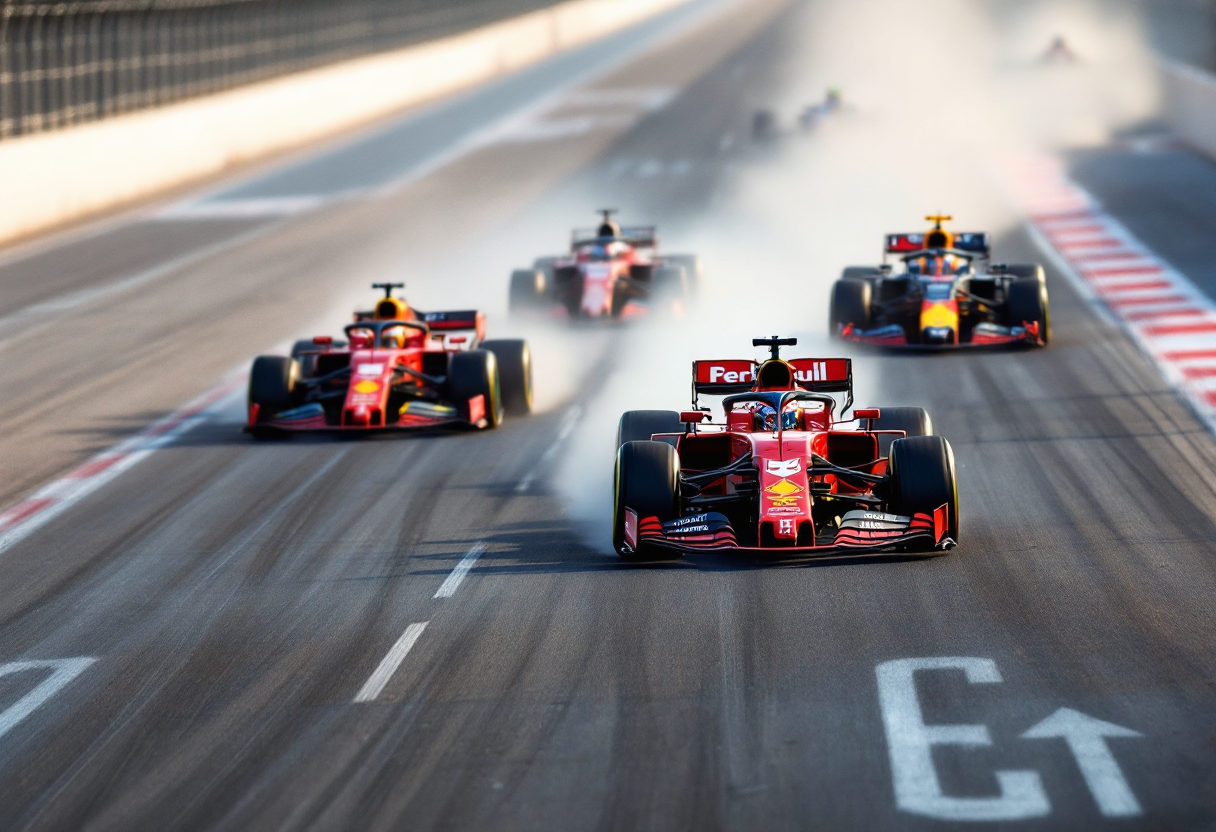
389, 664
448, 588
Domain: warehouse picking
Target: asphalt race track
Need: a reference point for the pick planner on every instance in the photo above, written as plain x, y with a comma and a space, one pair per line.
425, 631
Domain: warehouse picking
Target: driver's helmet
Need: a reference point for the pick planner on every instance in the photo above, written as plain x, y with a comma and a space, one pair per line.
598, 253
393, 338
937, 265
764, 417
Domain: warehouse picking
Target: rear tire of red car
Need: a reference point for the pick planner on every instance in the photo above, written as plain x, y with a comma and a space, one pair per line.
475, 373
640, 425
851, 301
914, 421
923, 479
307, 362
528, 292
648, 481
514, 373
1027, 302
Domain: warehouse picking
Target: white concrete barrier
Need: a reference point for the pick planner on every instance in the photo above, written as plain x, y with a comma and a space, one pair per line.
49, 178
1190, 104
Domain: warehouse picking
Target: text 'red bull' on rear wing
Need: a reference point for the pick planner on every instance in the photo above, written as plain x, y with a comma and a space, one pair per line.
972, 242
736, 375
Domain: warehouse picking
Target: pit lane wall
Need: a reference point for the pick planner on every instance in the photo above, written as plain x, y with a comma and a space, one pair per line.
49, 179
1190, 104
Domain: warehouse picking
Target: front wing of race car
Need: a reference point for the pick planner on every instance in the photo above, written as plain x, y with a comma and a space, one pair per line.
860, 533
984, 336
414, 415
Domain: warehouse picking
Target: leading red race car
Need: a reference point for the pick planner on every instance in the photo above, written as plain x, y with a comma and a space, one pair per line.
611, 272
782, 475
398, 368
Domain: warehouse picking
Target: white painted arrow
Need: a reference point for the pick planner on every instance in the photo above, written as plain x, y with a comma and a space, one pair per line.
1086, 738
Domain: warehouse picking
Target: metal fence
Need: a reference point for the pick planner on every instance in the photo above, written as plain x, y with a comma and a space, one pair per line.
65, 63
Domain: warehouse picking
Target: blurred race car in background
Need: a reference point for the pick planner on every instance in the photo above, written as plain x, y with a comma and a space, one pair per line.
944, 294
397, 368
610, 272
784, 474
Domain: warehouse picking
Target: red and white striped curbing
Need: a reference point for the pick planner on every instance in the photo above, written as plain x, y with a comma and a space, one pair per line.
1163, 312
20, 520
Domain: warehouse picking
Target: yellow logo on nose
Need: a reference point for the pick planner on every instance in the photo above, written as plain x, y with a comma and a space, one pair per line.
783, 488
938, 315
367, 387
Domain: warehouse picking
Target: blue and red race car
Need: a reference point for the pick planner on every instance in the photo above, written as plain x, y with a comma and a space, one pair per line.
944, 295
785, 472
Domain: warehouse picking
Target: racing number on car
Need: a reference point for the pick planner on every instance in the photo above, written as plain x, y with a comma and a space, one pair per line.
1020, 792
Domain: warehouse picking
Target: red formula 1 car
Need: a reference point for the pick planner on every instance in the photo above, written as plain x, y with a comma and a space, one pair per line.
397, 368
944, 295
782, 475
610, 272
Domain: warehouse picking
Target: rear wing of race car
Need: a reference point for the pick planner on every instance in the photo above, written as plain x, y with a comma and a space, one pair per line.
972, 242
464, 319
642, 236
736, 375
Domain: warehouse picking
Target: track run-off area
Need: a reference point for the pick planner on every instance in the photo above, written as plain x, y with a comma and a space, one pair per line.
200, 630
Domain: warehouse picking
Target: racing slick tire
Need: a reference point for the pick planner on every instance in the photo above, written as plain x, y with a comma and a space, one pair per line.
514, 373
640, 425
861, 273
546, 265
647, 480
1027, 301
528, 292
1027, 270
475, 373
272, 386
308, 363
922, 478
850, 305
914, 421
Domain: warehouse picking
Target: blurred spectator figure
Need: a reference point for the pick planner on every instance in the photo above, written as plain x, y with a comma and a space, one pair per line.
811, 116
764, 125
1059, 52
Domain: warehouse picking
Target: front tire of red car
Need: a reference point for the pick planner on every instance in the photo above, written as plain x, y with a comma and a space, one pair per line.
272, 387
475, 373
922, 480
647, 481
514, 373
